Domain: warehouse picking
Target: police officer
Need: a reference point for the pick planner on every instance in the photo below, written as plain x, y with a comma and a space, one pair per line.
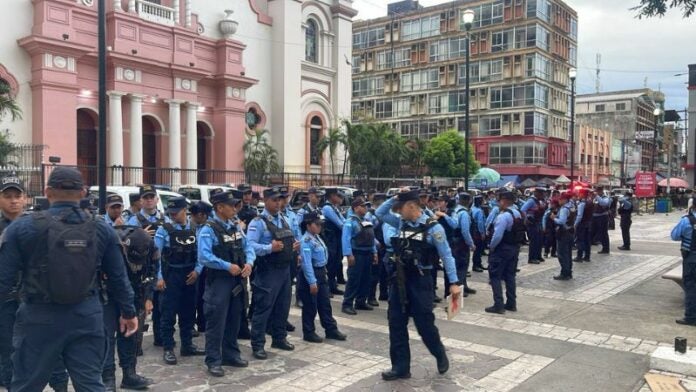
200, 213
333, 228
135, 206
359, 247
273, 241
549, 228
176, 279
64, 289
114, 211
479, 233
224, 250
504, 256
463, 243
625, 210
292, 219
314, 194
312, 282
379, 274
684, 232
600, 220
411, 291
583, 224
533, 210
141, 259
565, 223
248, 211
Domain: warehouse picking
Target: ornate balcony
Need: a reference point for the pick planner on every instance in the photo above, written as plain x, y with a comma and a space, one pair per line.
155, 13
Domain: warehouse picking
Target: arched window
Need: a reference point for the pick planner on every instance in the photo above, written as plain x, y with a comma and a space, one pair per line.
311, 41
315, 128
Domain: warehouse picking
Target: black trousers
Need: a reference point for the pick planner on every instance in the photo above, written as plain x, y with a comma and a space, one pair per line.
177, 299
600, 226
222, 314
565, 252
316, 304
626, 231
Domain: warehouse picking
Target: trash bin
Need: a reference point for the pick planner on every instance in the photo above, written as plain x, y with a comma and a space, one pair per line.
662, 205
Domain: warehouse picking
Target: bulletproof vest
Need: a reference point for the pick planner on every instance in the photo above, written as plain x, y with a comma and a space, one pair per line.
598, 208
572, 215
379, 232
182, 249
65, 271
587, 213
536, 213
411, 244
284, 235
449, 230
549, 222
366, 235
230, 246
153, 225
626, 211
127, 214
247, 213
517, 234
330, 228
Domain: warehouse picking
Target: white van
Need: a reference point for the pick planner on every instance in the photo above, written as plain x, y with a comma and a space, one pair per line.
125, 191
197, 193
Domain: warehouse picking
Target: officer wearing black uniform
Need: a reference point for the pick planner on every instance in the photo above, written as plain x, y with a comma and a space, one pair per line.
141, 259
60, 253
179, 271
225, 252
625, 211
411, 289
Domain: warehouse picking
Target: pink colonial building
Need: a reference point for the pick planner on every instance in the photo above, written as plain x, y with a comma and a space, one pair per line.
184, 83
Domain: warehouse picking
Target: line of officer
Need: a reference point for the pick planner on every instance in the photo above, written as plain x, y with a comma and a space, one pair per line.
504, 256
60, 314
200, 213
333, 228
533, 210
600, 220
359, 247
274, 243
685, 231
565, 223
176, 279
625, 210
141, 258
228, 258
312, 282
417, 237
583, 225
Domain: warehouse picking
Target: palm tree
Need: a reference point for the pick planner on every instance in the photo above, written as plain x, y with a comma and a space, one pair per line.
260, 158
332, 140
416, 154
7, 102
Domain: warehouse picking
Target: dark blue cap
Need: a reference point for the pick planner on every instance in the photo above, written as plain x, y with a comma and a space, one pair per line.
408, 196
358, 193
67, 178
507, 195
113, 200
272, 192
245, 188
225, 197
332, 191
464, 196
315, 190
284, 191
312, 217
238, 193
201, 207
133, 197
379, 197
147, 190
11, 182
176, 204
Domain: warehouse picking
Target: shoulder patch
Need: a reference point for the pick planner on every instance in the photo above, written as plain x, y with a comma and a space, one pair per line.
438, 236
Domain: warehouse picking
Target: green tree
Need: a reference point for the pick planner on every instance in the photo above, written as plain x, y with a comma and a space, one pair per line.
7, 102
652, 8
415, 155
374, 149
335, 138
260, 158
8, 151
445, 155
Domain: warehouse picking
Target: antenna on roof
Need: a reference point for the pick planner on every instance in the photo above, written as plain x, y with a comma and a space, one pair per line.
597, 80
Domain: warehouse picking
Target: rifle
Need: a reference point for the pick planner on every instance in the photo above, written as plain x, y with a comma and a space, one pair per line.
401, 281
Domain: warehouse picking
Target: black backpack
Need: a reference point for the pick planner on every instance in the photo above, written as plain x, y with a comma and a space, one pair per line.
66, 273
518, 234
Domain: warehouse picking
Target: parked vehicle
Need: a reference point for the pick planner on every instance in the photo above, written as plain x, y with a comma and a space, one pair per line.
125, 191
196, 192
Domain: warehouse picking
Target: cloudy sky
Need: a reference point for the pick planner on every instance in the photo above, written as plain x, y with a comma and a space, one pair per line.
631, 49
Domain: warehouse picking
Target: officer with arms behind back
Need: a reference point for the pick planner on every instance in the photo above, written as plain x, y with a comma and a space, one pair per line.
685, 231
411, 289
228, 257
60, 253
625, 211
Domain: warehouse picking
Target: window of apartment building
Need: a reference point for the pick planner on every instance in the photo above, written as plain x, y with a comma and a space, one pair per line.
311, 41
539, 8
599, 108
542, 38
427, 129
368, 38
355, 64
425, 27
419, 80
489, 125
315, 130
536, 124
620, 107
409, 129
502, 40
573, 55
383, 109
487, 14
401, 57
457, 101
438, 103
439, 51
402, 107
368, 86
517, 153
447, 49
538, 66
541, 96
574, 28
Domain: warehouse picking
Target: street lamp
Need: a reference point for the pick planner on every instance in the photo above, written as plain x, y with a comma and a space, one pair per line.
572, 73
657, 112
101, 148
468, 20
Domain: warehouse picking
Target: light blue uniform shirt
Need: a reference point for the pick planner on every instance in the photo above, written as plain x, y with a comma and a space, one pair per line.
435, 236
603, 202
479, 220
351, 228
259, 236
543, 220
332, 214
563, 214
389, 231
581, 212
133, 221
110, 222
292, 219
464, 223
502, 224
207, 240
492, 215
625, 203
313, 254
162, 241
682, 232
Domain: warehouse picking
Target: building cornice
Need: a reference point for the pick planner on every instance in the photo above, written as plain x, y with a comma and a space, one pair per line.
344, 10
311, 67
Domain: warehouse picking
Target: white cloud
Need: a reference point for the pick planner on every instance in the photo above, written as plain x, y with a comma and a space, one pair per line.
631, 49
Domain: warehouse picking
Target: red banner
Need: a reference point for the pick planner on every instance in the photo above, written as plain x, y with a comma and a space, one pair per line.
646, 184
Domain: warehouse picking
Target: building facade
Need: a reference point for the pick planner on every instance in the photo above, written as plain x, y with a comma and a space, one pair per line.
691, 132
409, 71
593, 148
628, 116
186, 79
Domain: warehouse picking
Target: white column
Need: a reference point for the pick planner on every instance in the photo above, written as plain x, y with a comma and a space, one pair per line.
115, 154
175, 140
117, 5
131, 6
191, 142
135, 160
187, 9
176, 12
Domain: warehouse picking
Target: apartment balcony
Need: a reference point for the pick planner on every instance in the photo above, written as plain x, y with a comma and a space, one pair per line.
155, 13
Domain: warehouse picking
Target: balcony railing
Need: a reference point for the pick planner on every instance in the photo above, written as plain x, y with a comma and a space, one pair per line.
155, 12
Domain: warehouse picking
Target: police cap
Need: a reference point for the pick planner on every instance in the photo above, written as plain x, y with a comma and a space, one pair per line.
66, 178
11, 182
114, 200
272, 193
147, 190
176, 204
201, 207
408, 195
225, 197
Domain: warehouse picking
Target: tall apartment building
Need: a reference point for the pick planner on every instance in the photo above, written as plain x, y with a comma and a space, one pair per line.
628, 115
409, 71
691, 129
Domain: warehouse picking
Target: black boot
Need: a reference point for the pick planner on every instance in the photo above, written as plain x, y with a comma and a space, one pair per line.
131, 380
60, 387
109, 380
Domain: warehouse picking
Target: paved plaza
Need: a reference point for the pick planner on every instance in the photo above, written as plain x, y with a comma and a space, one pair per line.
594, 333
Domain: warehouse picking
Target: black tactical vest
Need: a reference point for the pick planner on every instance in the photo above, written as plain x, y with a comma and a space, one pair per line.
247, 213
230, 246
587, 213
449, 230
412, 247
366, 235
182, 249
331, 231
283, 234
153, 225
